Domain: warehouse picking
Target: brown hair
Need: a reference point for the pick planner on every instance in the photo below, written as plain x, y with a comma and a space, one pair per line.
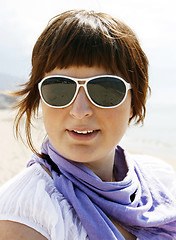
80, 37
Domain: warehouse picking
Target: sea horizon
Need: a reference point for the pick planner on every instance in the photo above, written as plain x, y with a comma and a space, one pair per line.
157, 136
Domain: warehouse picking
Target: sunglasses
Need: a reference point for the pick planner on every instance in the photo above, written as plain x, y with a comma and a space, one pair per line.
105, 91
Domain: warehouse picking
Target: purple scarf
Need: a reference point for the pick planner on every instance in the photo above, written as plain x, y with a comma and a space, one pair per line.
139, 202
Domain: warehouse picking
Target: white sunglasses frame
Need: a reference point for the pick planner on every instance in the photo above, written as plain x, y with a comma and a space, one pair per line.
84, 85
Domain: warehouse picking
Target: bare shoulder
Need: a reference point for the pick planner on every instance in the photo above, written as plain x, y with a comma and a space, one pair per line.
11, 230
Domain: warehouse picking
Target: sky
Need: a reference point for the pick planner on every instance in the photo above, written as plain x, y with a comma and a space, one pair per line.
154, 22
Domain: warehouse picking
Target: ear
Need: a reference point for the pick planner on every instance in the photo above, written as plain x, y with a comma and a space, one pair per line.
131, 115
131, 112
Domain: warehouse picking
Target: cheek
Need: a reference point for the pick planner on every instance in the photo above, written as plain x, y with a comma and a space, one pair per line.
119, 120
119, 117
50, 118
123, 112
47, 115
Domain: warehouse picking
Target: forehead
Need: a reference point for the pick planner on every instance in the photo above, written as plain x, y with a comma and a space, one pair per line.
83, 72
79, 72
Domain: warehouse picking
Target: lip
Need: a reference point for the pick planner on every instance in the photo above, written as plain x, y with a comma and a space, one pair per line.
82, 137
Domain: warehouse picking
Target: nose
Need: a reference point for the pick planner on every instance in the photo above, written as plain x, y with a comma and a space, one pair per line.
81, 107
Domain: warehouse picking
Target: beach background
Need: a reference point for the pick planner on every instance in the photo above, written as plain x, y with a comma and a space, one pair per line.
154, 22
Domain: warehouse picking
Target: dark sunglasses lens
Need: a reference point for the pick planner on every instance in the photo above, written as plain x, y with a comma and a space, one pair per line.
58, 91
106, 91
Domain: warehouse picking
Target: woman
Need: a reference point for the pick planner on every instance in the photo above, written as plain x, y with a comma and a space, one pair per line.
91, 77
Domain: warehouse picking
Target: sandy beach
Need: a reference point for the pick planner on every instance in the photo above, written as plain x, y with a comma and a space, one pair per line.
14, 155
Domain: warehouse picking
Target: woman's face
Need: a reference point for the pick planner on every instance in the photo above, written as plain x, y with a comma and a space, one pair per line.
63, 124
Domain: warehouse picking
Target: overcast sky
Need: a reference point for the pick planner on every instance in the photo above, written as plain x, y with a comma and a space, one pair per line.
154, 21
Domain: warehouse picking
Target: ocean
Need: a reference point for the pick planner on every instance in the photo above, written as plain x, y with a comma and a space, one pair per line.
157, 136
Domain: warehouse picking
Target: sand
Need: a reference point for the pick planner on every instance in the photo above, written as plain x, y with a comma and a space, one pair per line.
14, 155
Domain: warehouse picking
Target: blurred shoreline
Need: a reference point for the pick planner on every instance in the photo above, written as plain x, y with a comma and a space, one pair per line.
157, 137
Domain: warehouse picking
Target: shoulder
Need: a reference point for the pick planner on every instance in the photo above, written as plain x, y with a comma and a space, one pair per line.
30, 182
30, 199
16, 231
158, 168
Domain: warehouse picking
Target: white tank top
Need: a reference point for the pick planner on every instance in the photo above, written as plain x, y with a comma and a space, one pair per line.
31, 198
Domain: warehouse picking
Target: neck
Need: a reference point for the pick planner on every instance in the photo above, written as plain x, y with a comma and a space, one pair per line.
103, 168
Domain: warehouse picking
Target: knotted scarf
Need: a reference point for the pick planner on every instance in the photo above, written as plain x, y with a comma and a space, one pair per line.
139, 202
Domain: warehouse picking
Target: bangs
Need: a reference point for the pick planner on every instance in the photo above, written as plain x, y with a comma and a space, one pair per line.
80, 41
